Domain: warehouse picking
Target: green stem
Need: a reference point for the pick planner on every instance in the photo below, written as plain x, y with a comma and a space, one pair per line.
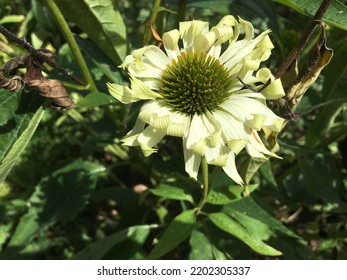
204, 169
58, 16
148, 34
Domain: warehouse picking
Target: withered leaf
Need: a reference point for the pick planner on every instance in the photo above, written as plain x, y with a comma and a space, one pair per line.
14, 83
52, 89
55, 90
320, 56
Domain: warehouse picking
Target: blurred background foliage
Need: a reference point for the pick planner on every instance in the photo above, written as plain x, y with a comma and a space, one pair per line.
76, 192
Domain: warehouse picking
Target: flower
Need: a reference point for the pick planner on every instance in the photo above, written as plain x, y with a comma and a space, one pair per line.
203, 94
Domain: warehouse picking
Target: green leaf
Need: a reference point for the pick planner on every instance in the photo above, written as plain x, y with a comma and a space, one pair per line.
58, 197
101, 21
19, 145
333, 88
219, 6
335, 15
179, 230
98, 249
323, 179
95, 99
172, 192
247, 206
233, 227
9, 102
201, 248
265, 170
224, 195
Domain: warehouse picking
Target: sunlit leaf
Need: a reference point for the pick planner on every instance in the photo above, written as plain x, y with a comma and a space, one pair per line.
178, 230
335, 15
201, 248
231, 226
19, 145
95, 99
248, 207
101, 21
172, 192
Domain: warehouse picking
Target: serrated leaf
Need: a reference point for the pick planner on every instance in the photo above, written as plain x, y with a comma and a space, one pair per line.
58, 197
179, 230
9, 102
248, 207
231, 226
172, 192
21, 107
19, 145
101, 21
335, 15
99, 248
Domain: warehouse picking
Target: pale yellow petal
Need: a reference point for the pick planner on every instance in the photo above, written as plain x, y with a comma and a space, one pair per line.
148, 138
202, 127
192, 162
190, 29
170, 41
231, 171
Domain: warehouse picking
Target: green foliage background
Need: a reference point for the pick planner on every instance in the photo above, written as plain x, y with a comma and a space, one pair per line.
70, 190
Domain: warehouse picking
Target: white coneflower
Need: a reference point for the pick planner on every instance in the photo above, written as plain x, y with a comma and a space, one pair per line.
197, 92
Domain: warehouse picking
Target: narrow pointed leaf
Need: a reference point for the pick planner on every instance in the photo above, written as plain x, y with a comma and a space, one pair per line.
231, 226
179, 230
19, 145
247, 206
172, 192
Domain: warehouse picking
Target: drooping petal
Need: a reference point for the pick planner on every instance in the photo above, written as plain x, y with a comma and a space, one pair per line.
179, 125
234, 131
256, 147
216, 155
192, 161
149, 138
244, 109
202, 127
230, 169
131, 138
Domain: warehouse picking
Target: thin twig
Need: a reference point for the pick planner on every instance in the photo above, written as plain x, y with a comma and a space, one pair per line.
36, 53
294, 54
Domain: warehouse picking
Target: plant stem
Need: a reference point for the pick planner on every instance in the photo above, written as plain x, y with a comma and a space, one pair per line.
294, 54
51, 5
205, 185
37, 54
148, 34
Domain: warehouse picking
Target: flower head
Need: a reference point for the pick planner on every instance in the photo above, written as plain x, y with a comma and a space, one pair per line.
204, 95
